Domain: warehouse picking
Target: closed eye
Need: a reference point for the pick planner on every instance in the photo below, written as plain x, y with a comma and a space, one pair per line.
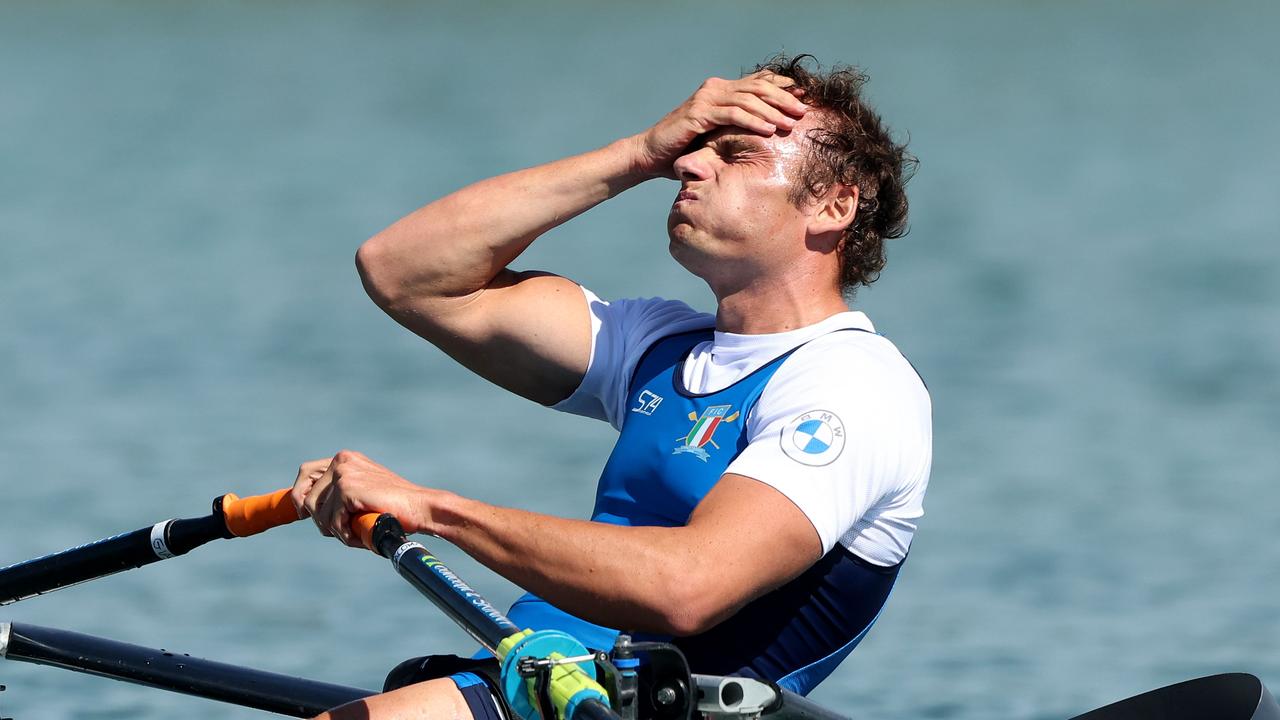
736, 148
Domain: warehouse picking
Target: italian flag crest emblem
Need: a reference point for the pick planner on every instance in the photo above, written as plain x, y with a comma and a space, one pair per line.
704, 427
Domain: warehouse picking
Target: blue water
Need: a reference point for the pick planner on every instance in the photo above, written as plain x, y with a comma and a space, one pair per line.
1090, 287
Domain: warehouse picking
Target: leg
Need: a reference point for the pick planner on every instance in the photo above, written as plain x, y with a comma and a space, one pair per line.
432, 700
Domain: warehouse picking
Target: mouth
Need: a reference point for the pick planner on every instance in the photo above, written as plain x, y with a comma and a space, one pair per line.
685, 195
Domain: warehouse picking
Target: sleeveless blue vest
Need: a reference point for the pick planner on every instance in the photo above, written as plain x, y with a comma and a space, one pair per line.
673, 448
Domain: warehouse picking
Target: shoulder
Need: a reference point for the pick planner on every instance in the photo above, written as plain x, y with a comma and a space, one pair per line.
621, 332
860, 379
853, 357
634, 319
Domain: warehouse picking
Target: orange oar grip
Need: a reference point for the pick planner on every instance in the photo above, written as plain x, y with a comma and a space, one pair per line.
252, 515
363, 527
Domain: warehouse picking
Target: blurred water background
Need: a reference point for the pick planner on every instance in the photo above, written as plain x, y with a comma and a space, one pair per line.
1090, 288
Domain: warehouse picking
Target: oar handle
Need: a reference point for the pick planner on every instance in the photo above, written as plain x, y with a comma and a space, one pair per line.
362, 525
259, 513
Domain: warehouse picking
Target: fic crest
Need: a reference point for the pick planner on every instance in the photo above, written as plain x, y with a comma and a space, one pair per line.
704, 427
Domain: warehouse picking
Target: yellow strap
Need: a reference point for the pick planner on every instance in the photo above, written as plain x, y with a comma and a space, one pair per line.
510, 641
566, 682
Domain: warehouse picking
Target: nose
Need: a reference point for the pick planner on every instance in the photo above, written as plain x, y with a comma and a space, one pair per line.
693, 165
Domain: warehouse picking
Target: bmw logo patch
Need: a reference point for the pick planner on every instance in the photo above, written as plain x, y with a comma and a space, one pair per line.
815, 438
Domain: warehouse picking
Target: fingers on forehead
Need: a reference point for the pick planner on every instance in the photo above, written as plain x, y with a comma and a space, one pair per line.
776, 88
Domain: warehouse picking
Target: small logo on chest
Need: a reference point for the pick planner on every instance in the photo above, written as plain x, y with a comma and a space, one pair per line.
646, 402
704, 427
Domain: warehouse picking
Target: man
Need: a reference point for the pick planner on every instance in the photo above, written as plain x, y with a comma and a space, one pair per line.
772, 459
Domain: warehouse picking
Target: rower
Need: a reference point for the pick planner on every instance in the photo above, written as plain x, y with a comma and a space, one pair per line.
773, 455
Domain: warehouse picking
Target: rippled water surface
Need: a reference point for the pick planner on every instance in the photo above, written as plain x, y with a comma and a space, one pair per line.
1090, 288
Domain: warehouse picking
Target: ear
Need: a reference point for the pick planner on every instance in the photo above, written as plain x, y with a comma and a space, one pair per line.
835, 211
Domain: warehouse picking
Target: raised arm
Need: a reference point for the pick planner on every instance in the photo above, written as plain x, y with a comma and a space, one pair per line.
442, 270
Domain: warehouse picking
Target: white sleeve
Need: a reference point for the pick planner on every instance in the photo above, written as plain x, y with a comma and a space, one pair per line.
841, 428
621, 331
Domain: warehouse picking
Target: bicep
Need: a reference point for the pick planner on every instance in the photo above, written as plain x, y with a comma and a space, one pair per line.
753, 539
528, 332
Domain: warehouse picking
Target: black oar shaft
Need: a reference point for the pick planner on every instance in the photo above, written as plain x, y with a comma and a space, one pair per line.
231, 517
173, 671
107, 557
482, 621
48, 573
466, 607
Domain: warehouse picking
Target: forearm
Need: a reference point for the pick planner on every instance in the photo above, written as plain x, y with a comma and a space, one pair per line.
458, 244
676, 580
634, 578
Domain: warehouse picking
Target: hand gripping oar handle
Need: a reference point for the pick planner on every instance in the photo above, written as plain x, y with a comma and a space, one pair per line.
575, 694
231, 517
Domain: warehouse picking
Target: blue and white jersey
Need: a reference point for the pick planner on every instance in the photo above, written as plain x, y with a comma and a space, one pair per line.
830, 415
843, 427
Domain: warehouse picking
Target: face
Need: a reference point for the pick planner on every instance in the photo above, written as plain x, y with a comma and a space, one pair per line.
733, 215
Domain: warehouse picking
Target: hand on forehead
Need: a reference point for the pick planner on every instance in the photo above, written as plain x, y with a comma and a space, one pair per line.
785, 142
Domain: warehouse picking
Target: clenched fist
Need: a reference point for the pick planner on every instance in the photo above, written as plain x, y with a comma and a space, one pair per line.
332, 491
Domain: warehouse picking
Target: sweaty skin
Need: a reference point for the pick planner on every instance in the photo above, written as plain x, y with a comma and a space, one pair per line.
441, 271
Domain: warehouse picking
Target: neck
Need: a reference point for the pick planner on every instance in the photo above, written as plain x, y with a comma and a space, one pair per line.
775, 306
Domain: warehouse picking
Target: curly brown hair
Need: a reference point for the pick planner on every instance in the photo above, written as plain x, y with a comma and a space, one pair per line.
854, 148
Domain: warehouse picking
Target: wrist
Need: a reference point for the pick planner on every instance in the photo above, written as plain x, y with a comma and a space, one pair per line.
636, 158
440, 512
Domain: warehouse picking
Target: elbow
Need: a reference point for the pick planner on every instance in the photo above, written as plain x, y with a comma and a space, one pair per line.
377, 272
692, 608
682, 622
